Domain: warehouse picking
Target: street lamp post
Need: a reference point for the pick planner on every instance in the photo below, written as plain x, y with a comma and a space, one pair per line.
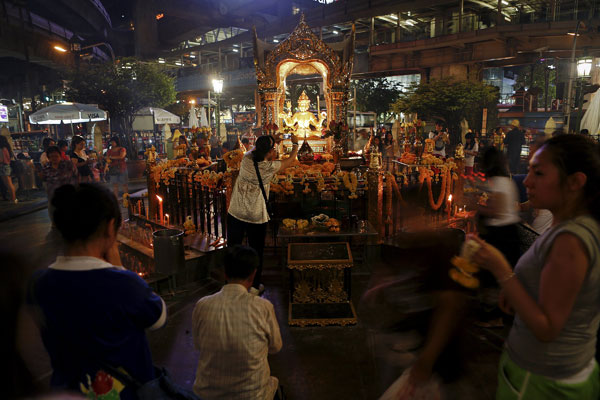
218, 89
584, 67
569, 104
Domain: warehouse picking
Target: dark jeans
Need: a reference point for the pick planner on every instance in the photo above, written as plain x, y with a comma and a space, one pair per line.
514, 161
256, 239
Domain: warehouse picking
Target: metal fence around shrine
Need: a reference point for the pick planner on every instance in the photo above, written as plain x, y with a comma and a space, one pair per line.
207, 206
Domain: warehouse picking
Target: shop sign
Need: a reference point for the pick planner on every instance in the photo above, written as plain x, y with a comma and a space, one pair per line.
3, 114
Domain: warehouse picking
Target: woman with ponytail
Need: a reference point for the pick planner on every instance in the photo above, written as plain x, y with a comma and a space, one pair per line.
554, 290
248, 213
94, 313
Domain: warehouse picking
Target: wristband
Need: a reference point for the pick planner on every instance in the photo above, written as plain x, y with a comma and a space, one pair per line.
506, 278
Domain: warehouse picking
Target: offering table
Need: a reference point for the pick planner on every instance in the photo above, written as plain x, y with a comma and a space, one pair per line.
320, 284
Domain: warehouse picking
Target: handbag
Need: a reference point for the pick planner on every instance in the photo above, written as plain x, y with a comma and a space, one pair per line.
262, 189
160, 388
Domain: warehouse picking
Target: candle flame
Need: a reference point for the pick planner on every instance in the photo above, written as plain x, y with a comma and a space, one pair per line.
450, 197
166, 215
159, 198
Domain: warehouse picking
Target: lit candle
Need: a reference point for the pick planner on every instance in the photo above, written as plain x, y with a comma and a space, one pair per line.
166, 219
449, 206
160, 209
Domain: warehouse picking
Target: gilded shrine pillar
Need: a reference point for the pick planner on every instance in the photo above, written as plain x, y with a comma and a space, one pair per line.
268, 106
339, 110
375, 200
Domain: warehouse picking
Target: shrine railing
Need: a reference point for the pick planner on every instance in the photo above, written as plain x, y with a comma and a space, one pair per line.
206, 205
388, 199
182, 196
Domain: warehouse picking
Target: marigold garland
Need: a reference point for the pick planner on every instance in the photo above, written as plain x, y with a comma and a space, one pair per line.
436, 205
397, 189
351, 183
233, 158
388, 188
165, 173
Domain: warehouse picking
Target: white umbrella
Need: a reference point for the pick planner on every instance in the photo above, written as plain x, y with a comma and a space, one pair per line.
166, 131
67, 113
591, 118
203, 119
160, 116
193, 120
206, 102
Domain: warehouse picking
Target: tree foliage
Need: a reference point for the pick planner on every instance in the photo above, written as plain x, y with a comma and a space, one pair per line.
535, 76
376, 94
451, 101
122, 88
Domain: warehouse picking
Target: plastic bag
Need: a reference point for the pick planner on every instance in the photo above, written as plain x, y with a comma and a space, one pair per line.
401, 389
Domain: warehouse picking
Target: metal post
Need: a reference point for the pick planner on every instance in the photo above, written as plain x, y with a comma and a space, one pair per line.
546, 84
209, 125
461, 11
218, 116
398, 28
579, 106
21, 125
499, 15
571, 77
354, 141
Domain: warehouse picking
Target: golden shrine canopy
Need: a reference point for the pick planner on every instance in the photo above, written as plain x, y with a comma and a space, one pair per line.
303, 53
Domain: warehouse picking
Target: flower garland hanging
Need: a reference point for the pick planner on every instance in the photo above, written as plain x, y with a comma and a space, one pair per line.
388, 203
437, 204
397, 189
320, 183
351, 183
391, 189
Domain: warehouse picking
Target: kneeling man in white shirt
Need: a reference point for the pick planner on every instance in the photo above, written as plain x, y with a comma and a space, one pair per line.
234, 331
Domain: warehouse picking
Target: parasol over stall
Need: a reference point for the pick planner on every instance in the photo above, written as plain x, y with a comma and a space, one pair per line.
160, 116
68, 113
591, 118
193, 120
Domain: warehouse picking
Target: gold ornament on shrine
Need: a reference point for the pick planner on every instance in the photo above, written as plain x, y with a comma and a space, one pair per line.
302, 53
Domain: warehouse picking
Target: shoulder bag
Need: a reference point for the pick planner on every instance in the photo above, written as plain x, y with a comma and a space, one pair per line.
262, 189
160, 388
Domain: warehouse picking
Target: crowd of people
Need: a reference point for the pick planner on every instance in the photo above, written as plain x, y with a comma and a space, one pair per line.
62, 162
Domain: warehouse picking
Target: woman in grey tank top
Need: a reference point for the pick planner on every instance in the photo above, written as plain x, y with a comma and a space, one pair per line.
555, 287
